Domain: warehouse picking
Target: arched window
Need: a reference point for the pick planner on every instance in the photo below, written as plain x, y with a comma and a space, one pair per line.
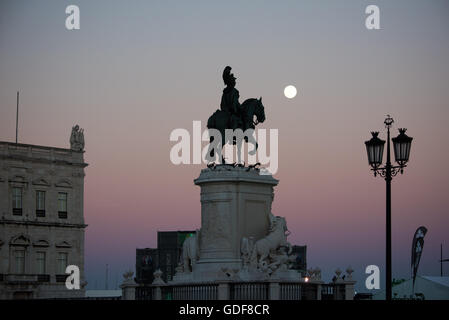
18, 251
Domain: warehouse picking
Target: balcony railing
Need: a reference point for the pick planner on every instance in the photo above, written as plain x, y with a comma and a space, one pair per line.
61, 277
20, 278
195, 292
249, 291
43, 278
62, 214
332, 291
144, 293
40, 213
256, 290
290, 291
25, 278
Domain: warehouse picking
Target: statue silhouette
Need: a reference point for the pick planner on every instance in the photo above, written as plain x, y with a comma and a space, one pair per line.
230, 99
233, 115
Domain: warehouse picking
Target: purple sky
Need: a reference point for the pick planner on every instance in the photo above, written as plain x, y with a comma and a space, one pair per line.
137, 70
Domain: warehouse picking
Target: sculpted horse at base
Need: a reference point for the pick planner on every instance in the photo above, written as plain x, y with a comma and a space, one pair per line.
275, 239
190, 252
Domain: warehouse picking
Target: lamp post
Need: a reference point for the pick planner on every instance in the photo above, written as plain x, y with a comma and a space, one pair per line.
374, 149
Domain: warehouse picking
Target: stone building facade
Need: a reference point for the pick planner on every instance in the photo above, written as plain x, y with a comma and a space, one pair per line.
41, 220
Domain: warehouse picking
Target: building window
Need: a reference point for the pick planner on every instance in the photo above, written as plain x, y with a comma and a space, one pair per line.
40, 203
20, 261
40, 259
62, 205
62, 262
169, 267
17, 201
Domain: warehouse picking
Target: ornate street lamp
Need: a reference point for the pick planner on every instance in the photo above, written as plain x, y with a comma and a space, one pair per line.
374, 149
401, 146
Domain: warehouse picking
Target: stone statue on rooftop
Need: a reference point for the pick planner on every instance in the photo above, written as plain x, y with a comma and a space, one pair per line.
77, 138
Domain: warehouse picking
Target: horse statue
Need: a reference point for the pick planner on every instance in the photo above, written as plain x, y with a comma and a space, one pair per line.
190, 252
221, 120
276, 238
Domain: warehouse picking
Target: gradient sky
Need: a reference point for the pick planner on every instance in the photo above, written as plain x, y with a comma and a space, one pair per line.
137, 70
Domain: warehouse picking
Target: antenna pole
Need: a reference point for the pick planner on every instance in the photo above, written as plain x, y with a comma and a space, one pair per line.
106, 282
17, 116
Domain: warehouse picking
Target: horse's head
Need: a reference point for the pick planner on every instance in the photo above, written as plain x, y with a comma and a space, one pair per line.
259, 111
278, 223
281, 225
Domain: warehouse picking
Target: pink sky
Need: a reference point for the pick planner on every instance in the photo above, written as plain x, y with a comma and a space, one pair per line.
134, 73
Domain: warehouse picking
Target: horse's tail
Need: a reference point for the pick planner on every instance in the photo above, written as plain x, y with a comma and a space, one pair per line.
211, 121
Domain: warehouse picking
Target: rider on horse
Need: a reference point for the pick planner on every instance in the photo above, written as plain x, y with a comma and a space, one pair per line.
230, 99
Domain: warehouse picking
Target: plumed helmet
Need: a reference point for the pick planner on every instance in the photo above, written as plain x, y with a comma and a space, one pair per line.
227, 75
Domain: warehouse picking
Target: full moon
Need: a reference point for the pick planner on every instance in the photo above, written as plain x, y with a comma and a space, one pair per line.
290, 92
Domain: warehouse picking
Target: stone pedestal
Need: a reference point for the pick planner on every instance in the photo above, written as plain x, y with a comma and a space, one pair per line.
129, 288
349, 290
235, 203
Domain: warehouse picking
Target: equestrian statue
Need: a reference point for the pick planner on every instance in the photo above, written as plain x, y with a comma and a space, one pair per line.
233, 115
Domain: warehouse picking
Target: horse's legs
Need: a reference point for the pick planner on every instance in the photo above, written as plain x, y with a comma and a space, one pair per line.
254, 142
223, 143
262, 263
239, 152
211, 150
210, 156
220, 154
